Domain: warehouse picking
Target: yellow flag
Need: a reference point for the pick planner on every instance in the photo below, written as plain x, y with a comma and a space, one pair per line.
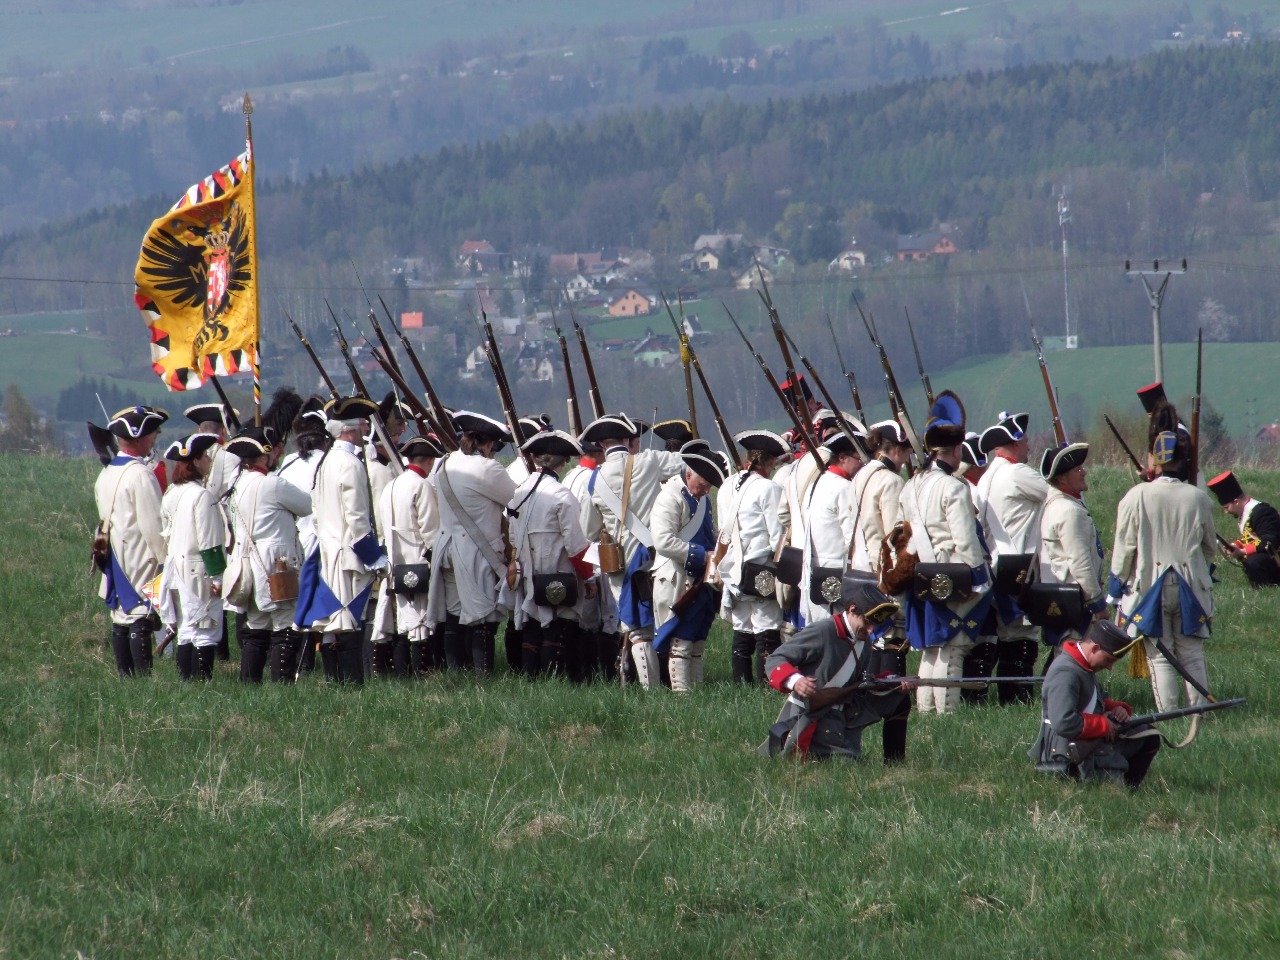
195, 282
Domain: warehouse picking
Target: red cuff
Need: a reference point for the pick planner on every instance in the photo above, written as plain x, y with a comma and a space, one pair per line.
1096, 727
1112, 704
1250, 549
583, 569
781, 672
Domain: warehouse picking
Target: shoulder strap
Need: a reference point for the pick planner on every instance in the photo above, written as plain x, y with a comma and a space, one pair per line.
481, 541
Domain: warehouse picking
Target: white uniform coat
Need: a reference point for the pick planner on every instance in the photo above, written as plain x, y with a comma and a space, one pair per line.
546, 534
221, 473
937, 505
670, 515
300, 471
264, 508
1069, 545
828, 528
410, 522
343, 517
128, 499
875, 495
751, 528
1009, 497
462, 581
652, 468
190, 522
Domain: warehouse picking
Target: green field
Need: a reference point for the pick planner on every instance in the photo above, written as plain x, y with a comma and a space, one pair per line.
449, 819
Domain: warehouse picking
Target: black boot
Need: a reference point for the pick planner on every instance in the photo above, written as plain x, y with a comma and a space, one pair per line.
481, 638
204, 662
740, 653
453, 639
1016, 658
400, 659
513, 646
329, 658
555, 638
382, 658
254, 646
420, 659
531, 637
286, 646
978, 662
366, 651
184, 656
224, 643
309, 640
893, 732
140, 642
766, 643
120, 649
350, 657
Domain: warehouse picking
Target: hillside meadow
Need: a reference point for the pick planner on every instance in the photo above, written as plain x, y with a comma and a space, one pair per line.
505, 819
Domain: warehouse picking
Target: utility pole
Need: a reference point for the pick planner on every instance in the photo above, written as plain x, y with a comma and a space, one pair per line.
1155, 296
1064, 217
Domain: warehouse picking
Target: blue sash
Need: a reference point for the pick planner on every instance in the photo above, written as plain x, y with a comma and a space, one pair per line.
316, 601
121, 594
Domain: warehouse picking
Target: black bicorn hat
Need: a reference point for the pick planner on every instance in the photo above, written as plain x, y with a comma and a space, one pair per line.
250, 443
1110, 637
763, 440
211, 413
867, 599
555, 443
1058, 460
698, 457
1010, 428
428, 446
1226, 487
187, 449
133, 423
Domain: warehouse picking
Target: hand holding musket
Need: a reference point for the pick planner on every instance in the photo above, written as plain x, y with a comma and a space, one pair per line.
1081, 750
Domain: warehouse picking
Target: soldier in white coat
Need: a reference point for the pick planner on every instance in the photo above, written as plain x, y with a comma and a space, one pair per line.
1070, 549
599, 648
1165, 543
552, 576
335, 596
797, 478
217, 419
409, 521
1010, 497
195, 537
944, 530
751, 532
684, 540
468, 596
828, 527
629, 588
127, 495
264, 509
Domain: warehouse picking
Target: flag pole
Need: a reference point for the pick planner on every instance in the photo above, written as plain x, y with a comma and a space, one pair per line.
253, 263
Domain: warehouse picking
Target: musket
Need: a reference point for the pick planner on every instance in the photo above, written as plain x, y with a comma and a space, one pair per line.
379, 428
1080, 750
306, 345
848, 374
373, 321
439, 416
421, 415
722, 428
924, 377
504, 386
575, 414
884, 359
686, 354
822, 389
897, 402
1195, 410
1123, 446
776, 324
593, 388
826, 696
1059, 431
222, 395
802, 427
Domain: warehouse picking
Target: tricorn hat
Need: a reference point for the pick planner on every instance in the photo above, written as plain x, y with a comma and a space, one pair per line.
349, 409
698, 457
555, 443
480, 426
427, 446
1226, 487
211, 413
867, 599
187, 449
1058, 460
1010, 428
970, 452
1110, 637
311, 417
611, 426
250, 443
393, 405
764, 441
944, 426
528, 426
133, 423
674, 431
890, 431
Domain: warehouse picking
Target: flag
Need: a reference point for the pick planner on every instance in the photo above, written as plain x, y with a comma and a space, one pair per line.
195, 280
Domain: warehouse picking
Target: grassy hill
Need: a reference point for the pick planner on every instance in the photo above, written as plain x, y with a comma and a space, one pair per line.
455, 819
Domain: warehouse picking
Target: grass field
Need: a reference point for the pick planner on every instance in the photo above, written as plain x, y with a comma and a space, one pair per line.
450, 819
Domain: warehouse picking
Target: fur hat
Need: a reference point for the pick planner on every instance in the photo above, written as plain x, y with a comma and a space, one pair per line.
944, 426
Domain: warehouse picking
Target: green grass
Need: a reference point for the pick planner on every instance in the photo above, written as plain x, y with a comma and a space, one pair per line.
44, 357
449, 819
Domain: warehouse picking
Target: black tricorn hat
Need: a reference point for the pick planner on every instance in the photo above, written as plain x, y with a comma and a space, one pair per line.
250, 443
187, 449
1010, 428
211, 413
970, 452
350, 408
1110, 637
478, 425
1058, 460
528, 426
867, 599
1226, 487
311, 417
673, 431
889, 431
133, 423
427, 446
392, 404
555, 443
1150, 395
611, 426
697, 456
763, 440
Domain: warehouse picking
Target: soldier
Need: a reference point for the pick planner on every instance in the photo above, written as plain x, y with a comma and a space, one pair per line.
828, 655
981, 658
1165, 543
1259, 530
129, 548
1077, 710
216, 419
518, 470
410, 521
751, 534
600, 648
266, 560
684, 540
349, 555
1010, 496
945, 543
551, 574
190, 601
633, 476
797, 479
1070, 549
468, 596
395, 416
828, 527
674, 434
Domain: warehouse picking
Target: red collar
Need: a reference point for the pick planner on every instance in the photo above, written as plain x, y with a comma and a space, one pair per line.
1005, 456
258, 469
588, 463
1072, 649
839, 472
414, 468
842, 628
